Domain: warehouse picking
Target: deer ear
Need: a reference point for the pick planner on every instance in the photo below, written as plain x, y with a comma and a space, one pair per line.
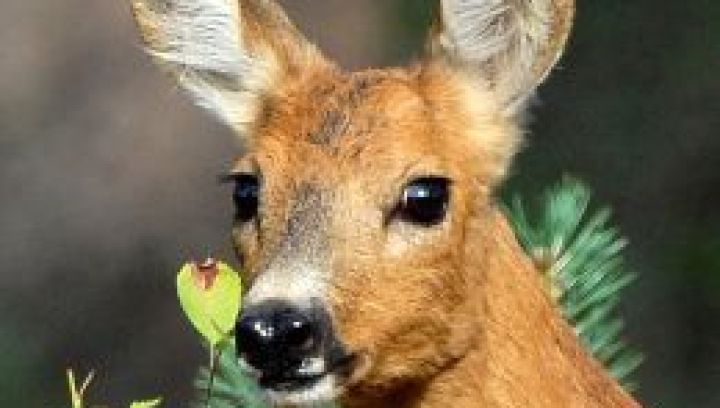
228, 54
511, 44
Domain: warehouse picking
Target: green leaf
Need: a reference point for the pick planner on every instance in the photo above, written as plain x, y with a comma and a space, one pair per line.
210, 294
147, 404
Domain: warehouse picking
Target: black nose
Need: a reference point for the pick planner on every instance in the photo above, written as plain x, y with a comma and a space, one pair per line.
275, 338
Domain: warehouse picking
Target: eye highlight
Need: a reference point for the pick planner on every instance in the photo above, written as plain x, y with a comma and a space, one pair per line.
425, 201
246, 196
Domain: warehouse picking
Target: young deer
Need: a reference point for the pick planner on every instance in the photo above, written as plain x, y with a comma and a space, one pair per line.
382, 272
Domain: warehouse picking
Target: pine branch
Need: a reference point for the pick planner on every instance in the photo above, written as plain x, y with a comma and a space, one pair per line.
231, 387
581, 255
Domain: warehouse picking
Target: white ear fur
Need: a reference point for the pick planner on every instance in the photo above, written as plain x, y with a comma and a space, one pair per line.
200, 42
513, 44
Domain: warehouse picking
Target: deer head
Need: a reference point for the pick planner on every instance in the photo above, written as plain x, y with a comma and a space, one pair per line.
364, 199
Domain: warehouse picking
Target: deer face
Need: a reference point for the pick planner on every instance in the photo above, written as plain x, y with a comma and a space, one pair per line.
356, 192
354, 234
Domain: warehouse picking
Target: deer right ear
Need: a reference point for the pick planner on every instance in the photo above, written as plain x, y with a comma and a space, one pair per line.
510, 44
228, 54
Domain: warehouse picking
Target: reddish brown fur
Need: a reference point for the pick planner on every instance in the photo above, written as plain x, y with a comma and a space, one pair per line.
449, 316
459, 318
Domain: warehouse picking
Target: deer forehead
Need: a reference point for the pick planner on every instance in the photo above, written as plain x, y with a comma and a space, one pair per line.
337, 112
377, 125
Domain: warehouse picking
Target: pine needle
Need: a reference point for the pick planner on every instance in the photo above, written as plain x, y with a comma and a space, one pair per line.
581, 255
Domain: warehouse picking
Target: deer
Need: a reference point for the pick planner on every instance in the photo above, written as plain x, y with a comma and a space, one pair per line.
381, 271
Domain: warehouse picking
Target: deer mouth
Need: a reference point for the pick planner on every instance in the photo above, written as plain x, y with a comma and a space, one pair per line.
311, 372
317, 380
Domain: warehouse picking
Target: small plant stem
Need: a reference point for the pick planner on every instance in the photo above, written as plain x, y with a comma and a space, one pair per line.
214, 357
86, 383
74, 395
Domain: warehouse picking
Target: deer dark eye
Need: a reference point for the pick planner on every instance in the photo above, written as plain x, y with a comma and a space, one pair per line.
245, 196
425, 201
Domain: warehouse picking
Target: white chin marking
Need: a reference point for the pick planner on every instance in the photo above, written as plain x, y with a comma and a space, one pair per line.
324, 391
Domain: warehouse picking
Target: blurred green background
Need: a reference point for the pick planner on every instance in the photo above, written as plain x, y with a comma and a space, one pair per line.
107, 184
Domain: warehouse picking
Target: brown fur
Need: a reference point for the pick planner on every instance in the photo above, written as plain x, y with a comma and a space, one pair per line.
449, 316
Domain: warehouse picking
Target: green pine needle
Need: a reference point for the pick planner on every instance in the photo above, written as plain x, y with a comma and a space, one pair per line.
581, 255
231, 386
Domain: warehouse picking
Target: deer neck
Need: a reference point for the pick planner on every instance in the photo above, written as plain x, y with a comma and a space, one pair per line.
527, 355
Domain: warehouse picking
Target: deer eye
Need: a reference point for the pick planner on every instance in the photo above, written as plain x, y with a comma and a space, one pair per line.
425, 201
245, 196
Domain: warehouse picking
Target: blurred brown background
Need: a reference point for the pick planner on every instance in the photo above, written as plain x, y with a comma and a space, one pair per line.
107, 184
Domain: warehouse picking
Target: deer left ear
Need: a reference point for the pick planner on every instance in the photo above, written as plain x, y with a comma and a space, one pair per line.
511, 44
228, 54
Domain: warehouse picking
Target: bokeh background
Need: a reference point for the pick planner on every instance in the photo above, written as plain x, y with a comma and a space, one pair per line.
107, 184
